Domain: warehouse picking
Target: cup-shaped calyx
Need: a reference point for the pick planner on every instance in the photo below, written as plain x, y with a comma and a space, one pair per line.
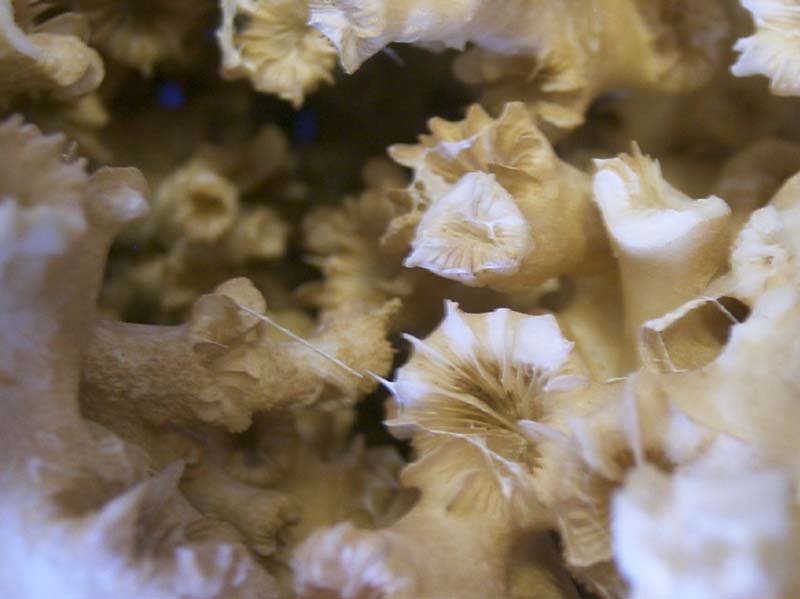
581, 471
270, 44
764, 256
758, 405
772, 50
345, 246
766, 253
51, 56
558, 55
363, 28
487, 380
455, 541
491, 204
473, 397
448, 545
195, 203
745, 545
668, 245
198, 206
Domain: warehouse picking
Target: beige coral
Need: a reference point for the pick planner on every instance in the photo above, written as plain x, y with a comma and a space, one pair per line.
521, 49
668, 246
471, 397
491, 204
347, 245
765, 410
764, 256
223, 366
772, 50
413, 557
142, 34
482, 378
81, 507
627, 424
269, 43
737, 551
209, 223
195, 203
750, 178
49, 57
608, 406
590, 312
261, 516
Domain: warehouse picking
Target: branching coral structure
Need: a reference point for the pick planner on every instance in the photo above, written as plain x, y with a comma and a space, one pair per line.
399, 299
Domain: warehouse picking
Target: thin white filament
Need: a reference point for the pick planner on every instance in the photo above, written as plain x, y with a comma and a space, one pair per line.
299, 339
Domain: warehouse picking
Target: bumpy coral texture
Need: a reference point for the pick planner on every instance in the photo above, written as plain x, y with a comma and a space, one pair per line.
102, 524
513, 311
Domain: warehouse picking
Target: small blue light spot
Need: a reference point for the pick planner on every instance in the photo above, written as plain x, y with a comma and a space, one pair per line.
135, 247
171, 95
306, 127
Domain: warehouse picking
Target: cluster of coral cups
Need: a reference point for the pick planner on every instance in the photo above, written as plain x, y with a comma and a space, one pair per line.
551, 350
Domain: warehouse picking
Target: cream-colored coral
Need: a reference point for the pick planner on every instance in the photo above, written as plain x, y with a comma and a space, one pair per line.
83, 515
261, 516
678, 46
268, 42
765, 410
764, 256
772, 50
413, 557
258, 234
347, 245
481, 378
522, 51
471, 397
195, 203
142, 34
209, 223
250, 162
50, 57
668, 246
627, 424
221, 366
599, 390
737, 551
81, 120
590, 312
492, 204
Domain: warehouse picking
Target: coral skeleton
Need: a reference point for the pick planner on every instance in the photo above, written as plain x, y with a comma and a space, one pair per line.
399, 299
